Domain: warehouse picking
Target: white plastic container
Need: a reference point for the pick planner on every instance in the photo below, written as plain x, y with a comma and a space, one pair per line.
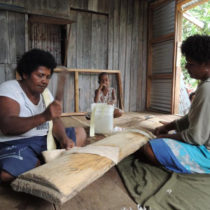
102, 117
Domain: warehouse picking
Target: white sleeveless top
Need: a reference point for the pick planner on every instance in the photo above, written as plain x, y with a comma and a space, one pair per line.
13, 90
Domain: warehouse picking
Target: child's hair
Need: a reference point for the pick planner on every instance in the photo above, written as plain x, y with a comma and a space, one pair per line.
100, 76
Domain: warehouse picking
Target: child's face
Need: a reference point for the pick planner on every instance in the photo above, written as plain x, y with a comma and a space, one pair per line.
105, 80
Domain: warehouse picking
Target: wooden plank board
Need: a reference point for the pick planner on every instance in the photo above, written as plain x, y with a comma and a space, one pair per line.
122, 42
141, 87
46, 182
135, 57
4, 37
76, 93
2, 73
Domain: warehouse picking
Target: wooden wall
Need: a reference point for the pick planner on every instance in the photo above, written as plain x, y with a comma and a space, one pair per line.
107, 34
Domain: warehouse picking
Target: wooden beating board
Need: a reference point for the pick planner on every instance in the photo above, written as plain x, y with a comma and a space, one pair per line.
61, 179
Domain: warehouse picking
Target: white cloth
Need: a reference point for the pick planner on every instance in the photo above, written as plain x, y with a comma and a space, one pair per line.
13, 90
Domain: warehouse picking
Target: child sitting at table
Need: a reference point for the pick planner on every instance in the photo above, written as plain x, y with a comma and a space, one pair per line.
105, 93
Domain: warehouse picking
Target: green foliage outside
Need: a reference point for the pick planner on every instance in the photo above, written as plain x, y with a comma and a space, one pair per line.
202, 13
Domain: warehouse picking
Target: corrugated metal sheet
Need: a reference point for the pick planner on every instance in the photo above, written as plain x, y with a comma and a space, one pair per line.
162, 59
163, 20
161, 95
46, 37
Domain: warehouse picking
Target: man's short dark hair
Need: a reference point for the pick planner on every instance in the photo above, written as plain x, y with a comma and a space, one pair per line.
34, 58
197, 48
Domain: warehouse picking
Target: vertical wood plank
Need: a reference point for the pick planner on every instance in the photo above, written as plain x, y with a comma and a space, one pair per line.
135, 56
119, 81
11, 37
76, 83
72, 50
177, 62
129, 23
4, 36
10, 71
20, 34
71, 63
26, 33
116, 34
2, 73
103, 5
93, 5
84, 56
110, 35
123, 37
129, 55
99, 49
149, 59
142, 67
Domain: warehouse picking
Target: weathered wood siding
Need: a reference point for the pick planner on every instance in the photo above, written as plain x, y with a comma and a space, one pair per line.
12, 40
107, 34
110, 35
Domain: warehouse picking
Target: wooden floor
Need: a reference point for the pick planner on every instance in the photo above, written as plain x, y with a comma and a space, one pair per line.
105, 193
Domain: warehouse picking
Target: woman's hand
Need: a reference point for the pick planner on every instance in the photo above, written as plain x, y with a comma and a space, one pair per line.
67, 143
161, 130
54, 110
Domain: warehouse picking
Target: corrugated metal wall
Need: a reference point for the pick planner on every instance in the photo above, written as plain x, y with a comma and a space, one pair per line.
163, 19
161, 95
162, 51
162, 60
46, 37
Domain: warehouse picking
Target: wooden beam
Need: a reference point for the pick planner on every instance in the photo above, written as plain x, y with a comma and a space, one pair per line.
163, 38
161, 76
119, 83
193, 20
176, 64
67, 44
149, 61
95, 71
73, 114
76, 92
190, 6
49, 20
13, 8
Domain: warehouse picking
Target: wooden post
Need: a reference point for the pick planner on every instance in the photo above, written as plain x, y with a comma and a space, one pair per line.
76, 92
119, 83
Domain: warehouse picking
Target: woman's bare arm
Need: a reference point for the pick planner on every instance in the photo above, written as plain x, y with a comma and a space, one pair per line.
12, 124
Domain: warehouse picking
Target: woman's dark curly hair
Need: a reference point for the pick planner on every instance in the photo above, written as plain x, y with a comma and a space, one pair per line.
100, 76
34, 58
197, 48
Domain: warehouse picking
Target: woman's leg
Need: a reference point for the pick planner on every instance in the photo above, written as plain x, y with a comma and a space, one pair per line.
81, 137
6, 177
148, 154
